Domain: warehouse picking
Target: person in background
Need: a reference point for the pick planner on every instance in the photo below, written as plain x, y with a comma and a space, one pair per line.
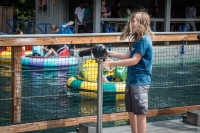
103, 10
38, 50
105, 13
115, 12
19, 32
128, 12
8, 48
139, 59
87, 20
61, 29
173, 26
191, 12
79, 15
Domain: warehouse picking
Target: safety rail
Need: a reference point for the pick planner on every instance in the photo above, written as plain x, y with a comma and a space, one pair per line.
17, 41
154, 20
93, 38
45, 27
25, 24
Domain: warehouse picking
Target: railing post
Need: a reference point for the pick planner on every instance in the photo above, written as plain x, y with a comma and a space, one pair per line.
76, 26
96, 16
16, 83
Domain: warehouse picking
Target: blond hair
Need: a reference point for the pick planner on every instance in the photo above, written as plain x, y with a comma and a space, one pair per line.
143, 24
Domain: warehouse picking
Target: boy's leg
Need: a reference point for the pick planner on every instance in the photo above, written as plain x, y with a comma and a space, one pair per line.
54, 52
128, 103
141, 123
48, 54
193, 26
106, 27
133, 122
137, 102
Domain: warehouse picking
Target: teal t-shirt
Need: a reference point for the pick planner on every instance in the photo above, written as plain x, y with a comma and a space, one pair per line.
37, 50
87, 12
66, 30
140, 74
61, 29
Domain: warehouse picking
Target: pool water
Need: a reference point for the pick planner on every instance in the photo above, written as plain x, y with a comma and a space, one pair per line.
45, 95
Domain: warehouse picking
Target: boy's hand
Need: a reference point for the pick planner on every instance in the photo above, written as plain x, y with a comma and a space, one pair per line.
83, 21
107, 63
107, 52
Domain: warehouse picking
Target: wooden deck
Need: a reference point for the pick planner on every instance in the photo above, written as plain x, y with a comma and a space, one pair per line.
169, 126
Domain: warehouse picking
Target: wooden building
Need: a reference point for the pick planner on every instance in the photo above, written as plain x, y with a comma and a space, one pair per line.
59, 11
50, 12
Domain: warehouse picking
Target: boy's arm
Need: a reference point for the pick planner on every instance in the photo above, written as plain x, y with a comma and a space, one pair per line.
45, 48
69, 23
127, 62
119, 55
75, 14
89, 16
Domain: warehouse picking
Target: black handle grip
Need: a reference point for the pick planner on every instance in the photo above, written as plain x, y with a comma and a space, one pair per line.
84, 53
98, 51
198, 37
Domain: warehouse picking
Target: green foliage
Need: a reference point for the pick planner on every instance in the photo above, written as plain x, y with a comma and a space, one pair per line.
23, 9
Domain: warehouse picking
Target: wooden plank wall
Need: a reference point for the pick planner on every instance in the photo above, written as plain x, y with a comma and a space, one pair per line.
5, 13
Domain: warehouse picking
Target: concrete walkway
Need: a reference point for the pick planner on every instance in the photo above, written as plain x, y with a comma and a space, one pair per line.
169, 126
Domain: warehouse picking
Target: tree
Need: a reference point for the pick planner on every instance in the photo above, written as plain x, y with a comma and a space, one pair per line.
23, 9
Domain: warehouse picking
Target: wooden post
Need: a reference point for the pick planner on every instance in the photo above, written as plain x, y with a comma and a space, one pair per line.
16, 83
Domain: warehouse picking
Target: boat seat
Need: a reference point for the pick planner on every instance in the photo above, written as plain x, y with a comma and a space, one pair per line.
64, 51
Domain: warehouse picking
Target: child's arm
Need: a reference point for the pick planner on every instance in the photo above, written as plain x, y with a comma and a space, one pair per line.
45, 48
119, 55
69, 23
127, 62
89, 16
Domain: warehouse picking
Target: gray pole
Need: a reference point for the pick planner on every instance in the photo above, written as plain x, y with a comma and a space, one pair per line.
96, 16
167, 15
67, 14
100, 98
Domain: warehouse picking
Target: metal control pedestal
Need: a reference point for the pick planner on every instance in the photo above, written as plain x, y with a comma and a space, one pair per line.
89, 127
92, 127
193, 117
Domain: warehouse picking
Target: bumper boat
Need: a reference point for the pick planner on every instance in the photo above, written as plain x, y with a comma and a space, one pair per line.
86, 82
49, 62
5, 56
62, 60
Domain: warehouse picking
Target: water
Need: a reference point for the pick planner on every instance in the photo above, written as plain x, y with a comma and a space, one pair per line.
45, 96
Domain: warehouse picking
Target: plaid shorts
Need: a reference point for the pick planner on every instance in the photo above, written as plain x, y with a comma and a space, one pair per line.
136, 99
